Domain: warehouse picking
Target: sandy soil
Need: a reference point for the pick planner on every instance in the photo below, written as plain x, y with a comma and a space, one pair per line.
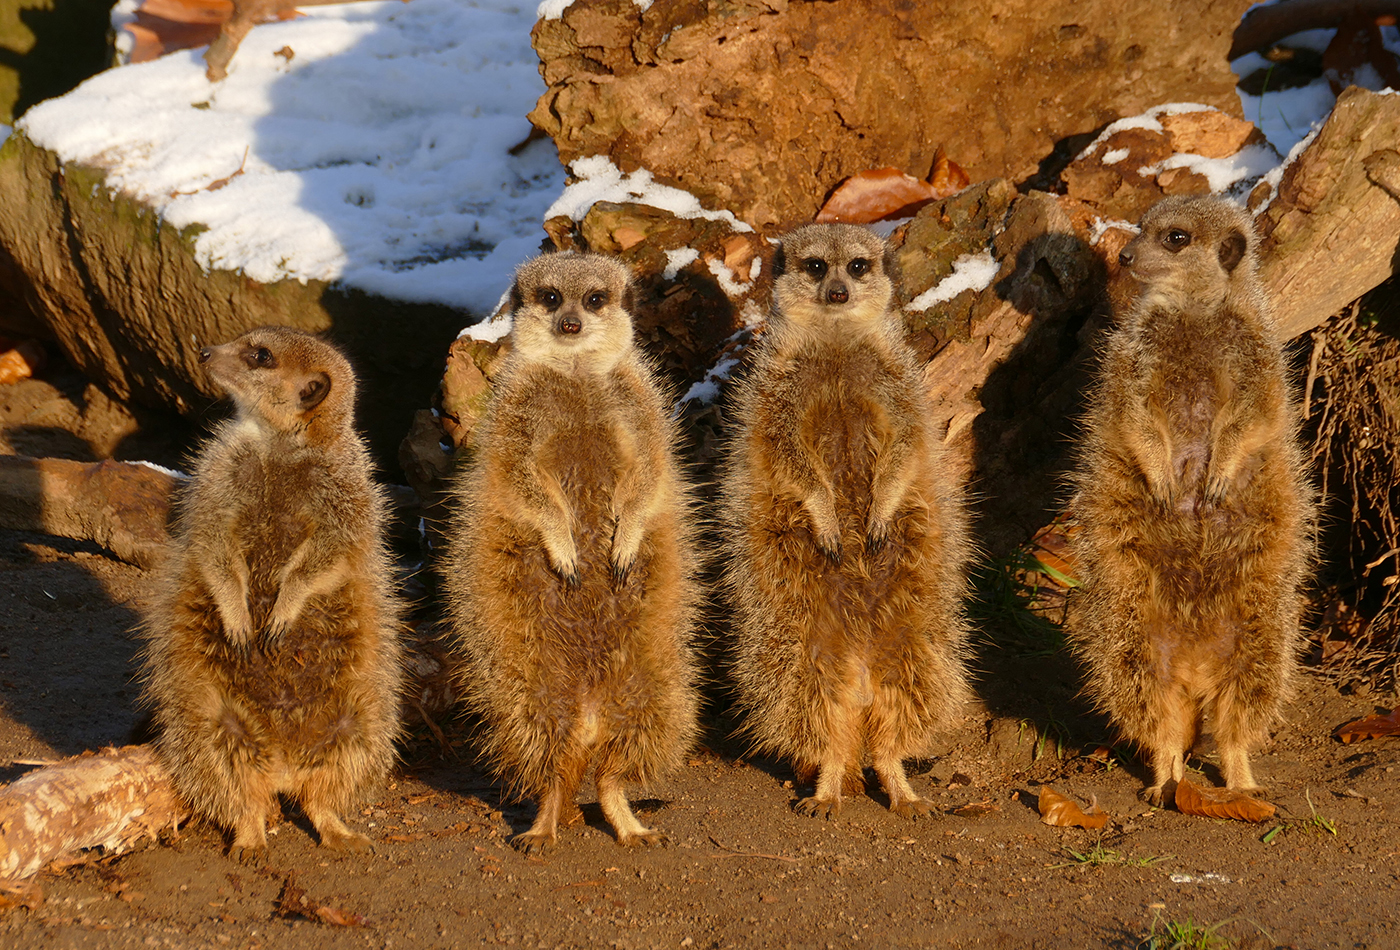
742, 868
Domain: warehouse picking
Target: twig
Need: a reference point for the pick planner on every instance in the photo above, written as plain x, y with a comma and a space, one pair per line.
748, 854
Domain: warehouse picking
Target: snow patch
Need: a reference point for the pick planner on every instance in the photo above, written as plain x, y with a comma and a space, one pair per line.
676, 260
600, 180
1148, 120
1247, 164
378, 157
1102, 226
1113, 156
970, 272
552, 9
726, 280
162, 469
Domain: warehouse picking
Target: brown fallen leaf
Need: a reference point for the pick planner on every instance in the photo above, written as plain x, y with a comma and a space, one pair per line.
977, 809
875, 195
1220, 803
1371, 727
294, 902
1056, 809
948, 177
19, 360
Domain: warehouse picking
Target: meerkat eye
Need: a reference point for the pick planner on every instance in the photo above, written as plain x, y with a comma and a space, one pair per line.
260, 357
1176, 239
815, 267
594, 301
858, 267
548, 298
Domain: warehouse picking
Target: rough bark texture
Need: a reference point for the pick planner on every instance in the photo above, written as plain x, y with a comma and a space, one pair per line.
1333, 230
764, 106
119, 505
129, 305
109, 799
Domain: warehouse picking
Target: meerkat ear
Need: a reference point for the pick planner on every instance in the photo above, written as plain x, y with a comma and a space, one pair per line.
779, 262
314, 389
517, 296
1232, 251
890, 263
629, 297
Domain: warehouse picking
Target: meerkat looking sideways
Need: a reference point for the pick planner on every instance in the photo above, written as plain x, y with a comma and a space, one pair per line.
1191, 491
570, 571
845, 532
272, 649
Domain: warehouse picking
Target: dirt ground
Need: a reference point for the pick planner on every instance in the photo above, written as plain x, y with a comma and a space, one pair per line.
742, 868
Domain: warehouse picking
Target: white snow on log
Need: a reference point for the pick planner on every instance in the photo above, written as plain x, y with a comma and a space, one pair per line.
1102, 226
552, 9
377, 156
1247, 165
970, 272
725, 277
1148, 120
1113, 156
677, 259
600, 180
707, 389
162, 469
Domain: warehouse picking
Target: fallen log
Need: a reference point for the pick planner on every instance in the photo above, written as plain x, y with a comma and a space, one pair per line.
123, 506
110, 799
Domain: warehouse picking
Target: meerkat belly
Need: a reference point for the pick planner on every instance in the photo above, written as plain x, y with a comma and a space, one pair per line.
1191, 410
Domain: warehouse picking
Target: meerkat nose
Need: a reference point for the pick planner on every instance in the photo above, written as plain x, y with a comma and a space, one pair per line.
570, 325
204, 354
837, 293
1126, 258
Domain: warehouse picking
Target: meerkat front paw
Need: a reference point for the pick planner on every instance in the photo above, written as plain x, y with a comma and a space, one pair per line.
533, 842
238, 623
876, 534
814, 807
1153, 795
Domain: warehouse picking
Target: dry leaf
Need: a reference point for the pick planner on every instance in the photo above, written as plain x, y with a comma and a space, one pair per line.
1220, 803
948, 177
977, 809
1371, 727
875, 195
294, 902
1056, 809
19, 360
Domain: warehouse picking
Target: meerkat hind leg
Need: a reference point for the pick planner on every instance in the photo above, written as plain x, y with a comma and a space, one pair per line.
1172, 738
334, 834
612, 798
1231, 738
555, 806
904, 801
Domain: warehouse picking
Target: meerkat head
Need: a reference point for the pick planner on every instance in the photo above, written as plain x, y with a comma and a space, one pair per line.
1199, 249
283, 379
571, 311
827, 273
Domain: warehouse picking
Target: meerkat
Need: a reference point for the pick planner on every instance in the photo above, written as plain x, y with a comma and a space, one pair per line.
272, 656
570, 570
845, 531
1196, 512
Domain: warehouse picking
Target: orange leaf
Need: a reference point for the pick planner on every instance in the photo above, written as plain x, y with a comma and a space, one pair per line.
1056, 809
1371, 727
947, 178
1220, 803
977, 809
876, 195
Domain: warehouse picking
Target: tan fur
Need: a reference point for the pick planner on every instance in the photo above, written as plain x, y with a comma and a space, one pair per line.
1196, 512
272, 647
570, 571
845, 533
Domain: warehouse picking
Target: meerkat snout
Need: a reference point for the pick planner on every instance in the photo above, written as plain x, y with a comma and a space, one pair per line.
569, 324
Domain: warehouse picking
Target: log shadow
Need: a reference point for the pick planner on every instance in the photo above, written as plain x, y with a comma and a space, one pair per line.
67, 650
1022, 454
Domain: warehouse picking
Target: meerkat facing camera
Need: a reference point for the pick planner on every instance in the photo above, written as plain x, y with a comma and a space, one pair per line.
272, 652
570, 571
1197, 517
845, 531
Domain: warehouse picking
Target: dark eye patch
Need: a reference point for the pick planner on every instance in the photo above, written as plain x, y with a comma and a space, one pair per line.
595, 301
814, 267
858, 267
549, 298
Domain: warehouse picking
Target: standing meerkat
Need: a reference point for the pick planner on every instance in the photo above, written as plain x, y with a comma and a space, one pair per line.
845, 532
272, 648
1196, 513
570, 570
